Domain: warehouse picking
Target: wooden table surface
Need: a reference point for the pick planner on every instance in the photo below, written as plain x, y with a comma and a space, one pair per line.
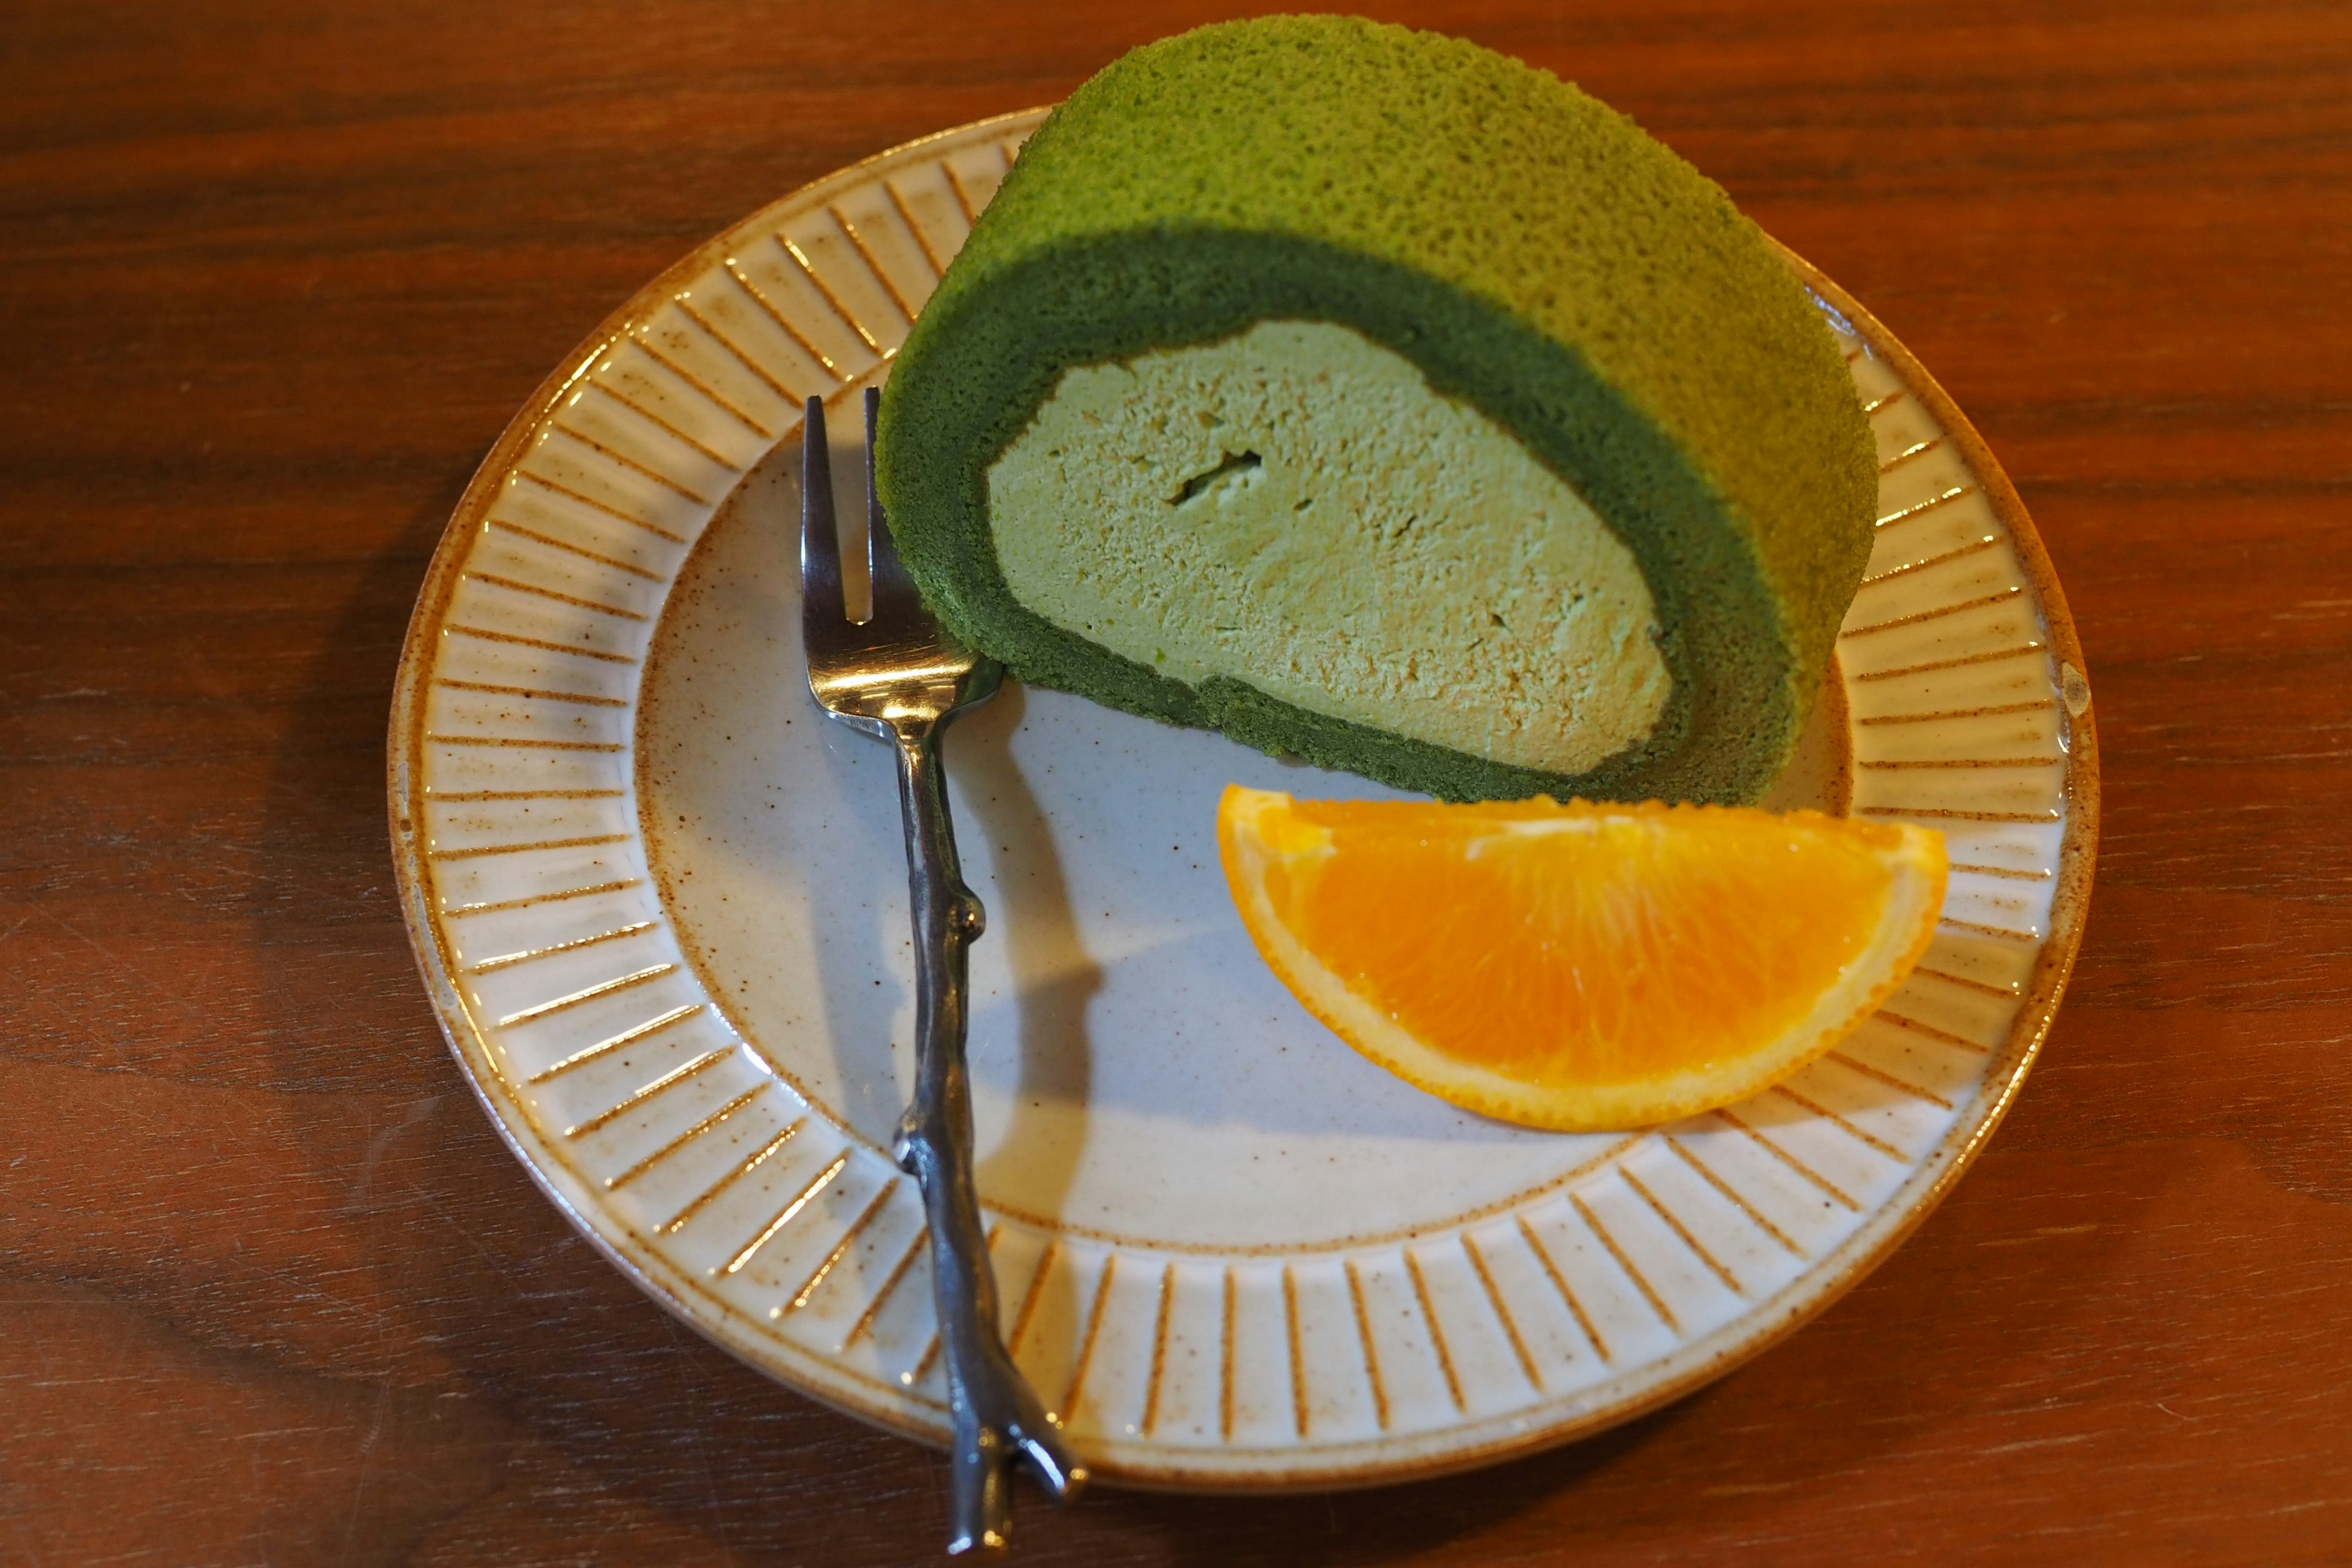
276, 274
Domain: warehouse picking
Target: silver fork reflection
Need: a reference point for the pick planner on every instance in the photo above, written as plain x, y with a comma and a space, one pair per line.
897, 677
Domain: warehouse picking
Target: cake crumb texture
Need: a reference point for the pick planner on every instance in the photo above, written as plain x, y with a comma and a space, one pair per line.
1529, 251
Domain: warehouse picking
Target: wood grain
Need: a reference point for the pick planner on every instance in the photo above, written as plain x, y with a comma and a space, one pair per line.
270, 1288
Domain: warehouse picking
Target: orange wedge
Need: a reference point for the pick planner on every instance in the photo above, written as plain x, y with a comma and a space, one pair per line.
1581, 966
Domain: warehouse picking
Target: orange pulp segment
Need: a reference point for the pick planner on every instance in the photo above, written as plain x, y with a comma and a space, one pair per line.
1581, 967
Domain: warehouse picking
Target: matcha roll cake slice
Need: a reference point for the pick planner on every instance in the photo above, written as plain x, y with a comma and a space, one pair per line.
1379, 399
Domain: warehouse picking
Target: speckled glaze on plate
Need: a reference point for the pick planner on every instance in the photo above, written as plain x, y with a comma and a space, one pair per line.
659, 902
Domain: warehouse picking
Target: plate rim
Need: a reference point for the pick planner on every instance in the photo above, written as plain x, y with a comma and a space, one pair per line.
1379, 1460
825, 1382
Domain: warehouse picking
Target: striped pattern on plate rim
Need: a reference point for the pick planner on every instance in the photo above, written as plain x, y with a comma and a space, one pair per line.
710, 1179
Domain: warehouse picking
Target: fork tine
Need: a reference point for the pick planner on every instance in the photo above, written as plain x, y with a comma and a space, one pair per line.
893, 588
821, 601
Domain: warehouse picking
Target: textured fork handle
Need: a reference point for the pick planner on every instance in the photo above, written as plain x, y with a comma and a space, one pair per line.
995, 1414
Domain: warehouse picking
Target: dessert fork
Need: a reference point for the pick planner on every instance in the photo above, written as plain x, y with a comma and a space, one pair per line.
897, 677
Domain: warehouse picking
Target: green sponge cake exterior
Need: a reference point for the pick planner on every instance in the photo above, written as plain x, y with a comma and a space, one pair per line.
1548, 271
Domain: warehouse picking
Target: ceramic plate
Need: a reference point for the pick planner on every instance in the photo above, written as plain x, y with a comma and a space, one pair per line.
659, 901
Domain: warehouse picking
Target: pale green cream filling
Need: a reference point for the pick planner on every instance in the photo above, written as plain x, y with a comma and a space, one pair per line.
1297, 509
